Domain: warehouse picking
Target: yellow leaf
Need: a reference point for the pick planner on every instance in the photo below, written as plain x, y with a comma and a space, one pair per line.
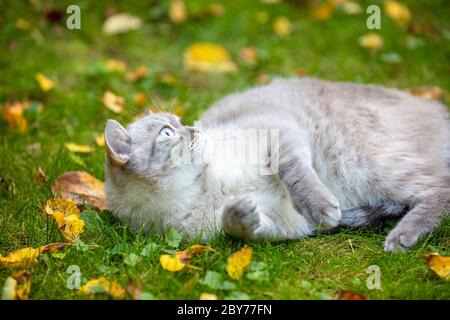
208, 57
171, 263
282, 27
100, 139
238, 262
371, 41
113, 102
103, 285
249, 55
67, 217
140, 98
72, 228
20, 258
140, 72
208, 296
82, 188
17, 286
323, 12
116, 65
13, 115
439, 264
167, 78
397, 11
45, 83
177, 11
22, 24
79, 148
428, 92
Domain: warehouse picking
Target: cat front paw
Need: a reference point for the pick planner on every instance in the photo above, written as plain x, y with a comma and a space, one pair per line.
325, 213
400, 239
241, 217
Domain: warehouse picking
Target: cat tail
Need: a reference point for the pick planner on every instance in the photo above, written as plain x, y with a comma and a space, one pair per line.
361, 216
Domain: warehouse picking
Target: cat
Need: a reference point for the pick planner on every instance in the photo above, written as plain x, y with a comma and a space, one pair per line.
345, 155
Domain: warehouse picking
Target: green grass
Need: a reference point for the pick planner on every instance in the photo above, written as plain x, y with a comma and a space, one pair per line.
309, 269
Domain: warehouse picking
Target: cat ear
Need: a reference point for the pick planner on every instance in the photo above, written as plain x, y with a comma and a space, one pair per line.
117, 141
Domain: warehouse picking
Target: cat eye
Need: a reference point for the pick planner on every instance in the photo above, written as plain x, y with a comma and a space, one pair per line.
166, 132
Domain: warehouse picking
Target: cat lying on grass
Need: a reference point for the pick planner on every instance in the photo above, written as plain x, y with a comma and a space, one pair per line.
325, 155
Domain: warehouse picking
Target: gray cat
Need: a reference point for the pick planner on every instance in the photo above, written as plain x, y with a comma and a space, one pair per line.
339, 154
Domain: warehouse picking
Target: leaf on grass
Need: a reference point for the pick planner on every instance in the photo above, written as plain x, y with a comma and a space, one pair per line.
113, 102
78, 148
208, 296
17, 286
216, 281
140, 98
177, 11
41, 177
182, 258
323, 12
81, 187
45, 83
120, 23
371, 41
249, 55
171, 262
26, 257
282, 27
100, 139
439, 264
116, 65
208, 57
67, 217
140, 72
351, 7
351, 295
397, 11
103, 285
238, 262
428, 92
13, 113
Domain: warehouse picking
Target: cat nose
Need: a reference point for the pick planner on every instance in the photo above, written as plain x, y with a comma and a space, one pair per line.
192, 130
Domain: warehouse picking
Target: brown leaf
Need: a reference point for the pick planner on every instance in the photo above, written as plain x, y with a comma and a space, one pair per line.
351, 295
81, 187
13, 113
177, 11
249, 55
439, 264
41, 177
140, 72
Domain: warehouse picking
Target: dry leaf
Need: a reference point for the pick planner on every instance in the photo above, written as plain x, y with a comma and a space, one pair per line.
208, 57
351, 295
100, 139
439, 264
78, 148
177, 11
103, 285
41, 176
167, 78
17, 286
208, 296
67, 217
181, 259
120, 23
262, 79
113, 102
27, 256
13, 115
323, 12
45, 83
429, 92
371, 41
249, 55
140, 72
140, 98
116, 65
282, 27
81, 187
238, 262
397, 11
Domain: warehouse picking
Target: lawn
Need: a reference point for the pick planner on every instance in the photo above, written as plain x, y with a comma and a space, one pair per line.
34, 39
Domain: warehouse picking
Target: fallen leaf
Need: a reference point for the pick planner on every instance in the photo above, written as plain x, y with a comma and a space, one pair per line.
439, 264
167, 78
120, 23
351, 7
397, 11
103, 285
116, 65
171, 262
67, 217
428, 92
113, 102
351, 295
262, 79
26, 257
238, 262
100, 139
23, 24
208, 296
282, 27
78, 148
41, 177
45, 83
249, 55
323, 12
208, 57
371, 41
81, 187
17, 286
177, 11
13, 113
140, 72
140, 98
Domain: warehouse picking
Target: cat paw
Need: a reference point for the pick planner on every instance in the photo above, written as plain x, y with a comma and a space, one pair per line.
400, 239
325, 213
240, 217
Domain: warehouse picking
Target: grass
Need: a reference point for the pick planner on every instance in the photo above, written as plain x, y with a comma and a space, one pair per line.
316, 268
